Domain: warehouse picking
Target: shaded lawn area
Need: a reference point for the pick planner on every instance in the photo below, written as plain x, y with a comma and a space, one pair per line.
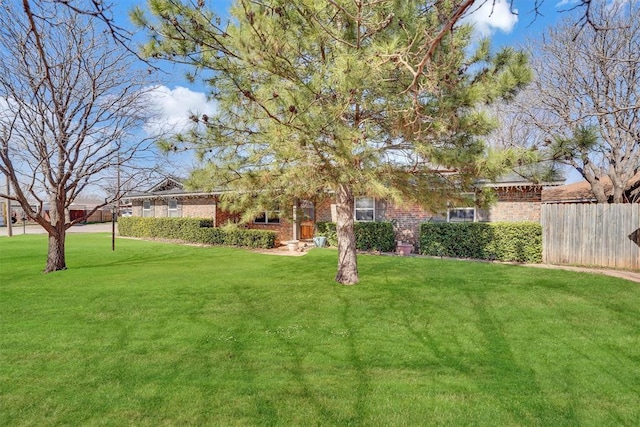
158, 334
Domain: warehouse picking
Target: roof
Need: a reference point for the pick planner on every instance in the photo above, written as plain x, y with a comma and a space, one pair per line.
169, 187
174, 187
167, 184
516, 180
580, 192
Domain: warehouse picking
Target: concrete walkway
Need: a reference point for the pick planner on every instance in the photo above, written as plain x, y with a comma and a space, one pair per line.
633, 276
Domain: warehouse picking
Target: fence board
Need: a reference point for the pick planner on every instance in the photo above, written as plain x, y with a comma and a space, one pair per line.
591, 234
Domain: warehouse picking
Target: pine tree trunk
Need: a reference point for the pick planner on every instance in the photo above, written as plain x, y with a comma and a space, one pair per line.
56, 255
347, 262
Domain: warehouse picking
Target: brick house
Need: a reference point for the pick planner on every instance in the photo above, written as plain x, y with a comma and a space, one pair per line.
517, 200
168, 198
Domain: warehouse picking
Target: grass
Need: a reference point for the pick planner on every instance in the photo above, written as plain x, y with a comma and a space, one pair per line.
156, 334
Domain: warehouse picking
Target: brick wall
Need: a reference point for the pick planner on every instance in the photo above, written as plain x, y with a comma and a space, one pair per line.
284, 229
516, 204
136, 208
519, 194
323, 211
514, 212
407, 220
200, 207
193, 207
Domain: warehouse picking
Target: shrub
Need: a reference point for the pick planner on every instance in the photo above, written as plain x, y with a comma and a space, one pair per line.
195, 230
376, 236
328, 230
503, 241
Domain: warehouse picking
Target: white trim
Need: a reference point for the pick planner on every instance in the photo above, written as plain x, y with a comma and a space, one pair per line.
466, 209
147, 212
267, 219
171, 210
356, 209
471, 209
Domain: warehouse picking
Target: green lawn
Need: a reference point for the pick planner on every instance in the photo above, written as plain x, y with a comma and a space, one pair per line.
157, 334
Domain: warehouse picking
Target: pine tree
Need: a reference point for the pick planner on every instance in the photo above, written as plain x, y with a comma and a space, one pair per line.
338, 99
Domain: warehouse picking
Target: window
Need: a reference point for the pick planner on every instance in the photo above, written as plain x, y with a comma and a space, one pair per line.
307, 210
365, 209
172, 206
147, 208
268, 217
463, 214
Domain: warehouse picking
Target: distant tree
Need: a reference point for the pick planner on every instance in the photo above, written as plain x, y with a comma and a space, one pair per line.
374, 98
516, 130
587, 97
70, 106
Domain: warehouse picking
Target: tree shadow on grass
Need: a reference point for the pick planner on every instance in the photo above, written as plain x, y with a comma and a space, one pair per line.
511, 384
307, 390
156, 255
602, 322
485, 362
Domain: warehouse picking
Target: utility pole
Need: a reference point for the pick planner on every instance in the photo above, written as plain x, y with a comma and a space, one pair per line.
118, 194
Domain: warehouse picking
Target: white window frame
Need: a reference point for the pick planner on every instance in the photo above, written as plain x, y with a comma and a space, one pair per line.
269, 217
464, 219
465, 209
172, 212
147, 211
357, 210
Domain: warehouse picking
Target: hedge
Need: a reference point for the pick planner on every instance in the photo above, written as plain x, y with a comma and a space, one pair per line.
194, 230
370, 236
502, 241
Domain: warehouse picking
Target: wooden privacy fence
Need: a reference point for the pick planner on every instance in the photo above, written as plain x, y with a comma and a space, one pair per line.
604, 235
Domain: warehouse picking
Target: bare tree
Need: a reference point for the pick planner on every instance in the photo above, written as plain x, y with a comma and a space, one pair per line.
587, 101
70, 110
517, 130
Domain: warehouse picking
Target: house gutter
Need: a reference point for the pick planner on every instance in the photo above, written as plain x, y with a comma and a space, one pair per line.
171, 195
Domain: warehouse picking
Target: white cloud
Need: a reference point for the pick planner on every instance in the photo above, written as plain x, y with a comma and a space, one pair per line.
492, 16
567, 3
174, 106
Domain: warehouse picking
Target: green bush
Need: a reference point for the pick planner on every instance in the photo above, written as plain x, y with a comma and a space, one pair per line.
503, 241
376, 236
328, 230
370, 236
195, 230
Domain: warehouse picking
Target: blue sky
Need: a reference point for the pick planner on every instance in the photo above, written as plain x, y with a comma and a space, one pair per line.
494, 19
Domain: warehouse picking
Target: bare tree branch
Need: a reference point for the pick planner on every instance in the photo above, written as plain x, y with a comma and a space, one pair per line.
71, 108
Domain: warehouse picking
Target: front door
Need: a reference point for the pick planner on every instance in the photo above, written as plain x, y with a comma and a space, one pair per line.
307, 222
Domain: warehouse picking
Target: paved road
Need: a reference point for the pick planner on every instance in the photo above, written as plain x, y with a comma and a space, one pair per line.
18, 229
